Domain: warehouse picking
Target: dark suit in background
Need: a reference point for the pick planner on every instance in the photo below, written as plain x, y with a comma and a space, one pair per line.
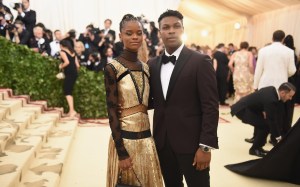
45, 47
111, 32
189, 114
29, 20
250, 110
222, 74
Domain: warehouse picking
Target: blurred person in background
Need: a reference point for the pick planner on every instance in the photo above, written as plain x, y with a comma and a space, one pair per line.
254, 52
209, 52
241, 66
54, 45
80, 53
18, 34
108, 31
39, 43
70, 67
26, 15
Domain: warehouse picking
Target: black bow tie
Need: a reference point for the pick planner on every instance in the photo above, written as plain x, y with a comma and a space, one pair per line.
166, 59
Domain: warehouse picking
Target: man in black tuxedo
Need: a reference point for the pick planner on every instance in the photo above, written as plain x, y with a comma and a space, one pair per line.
222, 72
262, 110
185, 101
108, 32
27, 16
39, 43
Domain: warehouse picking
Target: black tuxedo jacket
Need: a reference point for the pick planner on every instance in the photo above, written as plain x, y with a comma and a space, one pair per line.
29, 20
112, 32
222, 61
33, 43
189, 115
263, 100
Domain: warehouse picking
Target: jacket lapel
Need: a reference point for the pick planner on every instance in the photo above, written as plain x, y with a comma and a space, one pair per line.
181, 61
158, 78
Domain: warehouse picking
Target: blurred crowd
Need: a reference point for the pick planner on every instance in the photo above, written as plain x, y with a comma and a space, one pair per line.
95, 47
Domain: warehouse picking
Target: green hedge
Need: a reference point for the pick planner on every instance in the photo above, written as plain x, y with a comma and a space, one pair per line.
27, 72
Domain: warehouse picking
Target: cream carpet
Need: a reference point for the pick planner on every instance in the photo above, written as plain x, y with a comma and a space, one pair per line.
86, 165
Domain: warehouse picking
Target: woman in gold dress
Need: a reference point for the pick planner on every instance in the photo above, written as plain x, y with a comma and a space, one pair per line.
131, 146
241, 64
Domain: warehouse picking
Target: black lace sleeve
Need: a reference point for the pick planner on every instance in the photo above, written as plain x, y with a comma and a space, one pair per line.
112, 108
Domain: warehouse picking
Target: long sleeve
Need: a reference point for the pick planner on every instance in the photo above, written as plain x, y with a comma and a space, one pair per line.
112, 108
208, 94
258, 70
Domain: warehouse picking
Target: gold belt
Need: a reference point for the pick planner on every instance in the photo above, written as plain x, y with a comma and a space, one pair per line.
133, 110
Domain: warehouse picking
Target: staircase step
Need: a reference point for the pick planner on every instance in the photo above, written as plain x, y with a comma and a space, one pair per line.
5, 93
14, 124
47, 167
19, 153
11, 105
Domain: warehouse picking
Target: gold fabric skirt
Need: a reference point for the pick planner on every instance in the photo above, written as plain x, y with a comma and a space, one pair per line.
145, 164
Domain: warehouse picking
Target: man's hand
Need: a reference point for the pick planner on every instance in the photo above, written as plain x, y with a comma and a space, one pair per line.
125, 164
265, 115
20, 10
202, 159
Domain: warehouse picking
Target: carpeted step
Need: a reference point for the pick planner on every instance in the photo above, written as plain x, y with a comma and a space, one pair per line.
19, 153
47, 167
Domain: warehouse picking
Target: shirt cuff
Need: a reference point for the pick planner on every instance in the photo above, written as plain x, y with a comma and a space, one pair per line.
206, 146
23, 14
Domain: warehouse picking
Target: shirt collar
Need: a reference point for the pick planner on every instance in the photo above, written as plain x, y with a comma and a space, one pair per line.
177, 52
27, 10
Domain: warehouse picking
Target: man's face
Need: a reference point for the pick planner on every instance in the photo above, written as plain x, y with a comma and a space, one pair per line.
171, 30
58, 35
107, 24
286, 96
25, 4
38, 32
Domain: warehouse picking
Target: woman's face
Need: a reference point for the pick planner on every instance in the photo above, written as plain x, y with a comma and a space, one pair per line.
132, 35
78, 48
109, 52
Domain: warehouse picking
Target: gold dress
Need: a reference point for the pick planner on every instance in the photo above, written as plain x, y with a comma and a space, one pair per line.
128, 89
242, 77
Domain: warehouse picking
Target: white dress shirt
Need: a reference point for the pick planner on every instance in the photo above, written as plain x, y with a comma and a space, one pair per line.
55, 47
275, 64
166, 71
106, 31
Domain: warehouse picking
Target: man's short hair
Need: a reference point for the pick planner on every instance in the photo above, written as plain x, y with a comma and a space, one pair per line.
19, 22
287, 87
220, 45
56, 31
231, 44
278, 36
108, 20
171, 13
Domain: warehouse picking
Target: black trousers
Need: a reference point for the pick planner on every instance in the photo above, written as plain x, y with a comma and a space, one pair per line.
222, 88
261, 128
174, 166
